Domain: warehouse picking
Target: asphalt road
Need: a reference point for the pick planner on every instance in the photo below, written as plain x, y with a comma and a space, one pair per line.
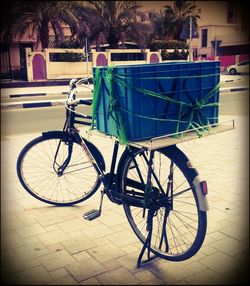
31, 120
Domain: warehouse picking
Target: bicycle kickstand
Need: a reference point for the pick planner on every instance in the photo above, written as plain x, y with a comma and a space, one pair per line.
93, 214
147, 242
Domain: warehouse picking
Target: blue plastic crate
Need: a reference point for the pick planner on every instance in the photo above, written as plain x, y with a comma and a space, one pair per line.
183, 95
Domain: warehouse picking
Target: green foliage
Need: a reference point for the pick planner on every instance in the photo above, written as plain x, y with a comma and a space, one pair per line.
100, 21
118, 21
37, 17
183, 55
18, 74
68, 56
176, 55
170, 44
68, 44
175, 17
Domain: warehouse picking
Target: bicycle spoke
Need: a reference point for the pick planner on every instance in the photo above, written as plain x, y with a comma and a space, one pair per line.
175, 225
181, 192
47, 183
164, 233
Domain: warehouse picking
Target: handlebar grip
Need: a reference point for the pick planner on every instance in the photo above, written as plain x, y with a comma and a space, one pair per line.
85, 102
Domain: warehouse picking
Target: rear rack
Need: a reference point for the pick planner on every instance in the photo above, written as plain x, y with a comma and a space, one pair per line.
180, 137
176, 138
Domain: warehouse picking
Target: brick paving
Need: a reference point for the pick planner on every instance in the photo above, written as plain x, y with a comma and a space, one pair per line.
46, 245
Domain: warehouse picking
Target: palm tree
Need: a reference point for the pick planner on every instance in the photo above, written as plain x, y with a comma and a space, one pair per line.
118, 20
35, 17
158, 23
175, 17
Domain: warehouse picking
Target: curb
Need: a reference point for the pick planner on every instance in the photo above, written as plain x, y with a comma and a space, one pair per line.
41, 103
43, 83
234, 89
43, 93
56, 102
231, 80
35, 94
20, 84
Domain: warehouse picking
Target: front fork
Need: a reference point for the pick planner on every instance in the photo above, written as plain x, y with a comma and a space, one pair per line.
90, 156
59, 169
170, 186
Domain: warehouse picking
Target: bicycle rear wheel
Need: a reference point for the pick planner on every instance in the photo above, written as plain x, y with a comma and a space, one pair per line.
179, 226
39, 163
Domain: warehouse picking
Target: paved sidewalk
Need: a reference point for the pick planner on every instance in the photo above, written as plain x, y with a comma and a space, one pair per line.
42, 244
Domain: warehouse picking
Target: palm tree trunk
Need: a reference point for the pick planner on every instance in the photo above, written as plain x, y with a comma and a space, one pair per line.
44, 33
113, 40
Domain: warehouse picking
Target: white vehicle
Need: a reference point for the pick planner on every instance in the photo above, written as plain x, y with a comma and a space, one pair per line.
242, 67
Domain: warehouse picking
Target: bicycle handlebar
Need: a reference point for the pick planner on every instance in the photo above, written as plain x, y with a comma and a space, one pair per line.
79, 101
72, 101
75, 82
71, 98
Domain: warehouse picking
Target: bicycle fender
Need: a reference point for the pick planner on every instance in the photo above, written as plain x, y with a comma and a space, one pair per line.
47, 134
97, 154
201, 196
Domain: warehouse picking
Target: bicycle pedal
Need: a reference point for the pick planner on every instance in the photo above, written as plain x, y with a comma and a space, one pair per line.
93, 214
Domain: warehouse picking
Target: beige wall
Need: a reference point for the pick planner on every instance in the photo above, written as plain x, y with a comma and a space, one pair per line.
212, 12
65, 70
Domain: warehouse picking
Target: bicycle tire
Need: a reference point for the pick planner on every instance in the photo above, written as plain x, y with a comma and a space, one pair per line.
179, 247
37, 176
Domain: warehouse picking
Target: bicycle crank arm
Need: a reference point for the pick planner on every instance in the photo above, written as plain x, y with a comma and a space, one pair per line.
132, 201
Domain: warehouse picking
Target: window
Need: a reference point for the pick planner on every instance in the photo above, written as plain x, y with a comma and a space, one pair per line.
66, 57
243, 63
204, 38
128, 57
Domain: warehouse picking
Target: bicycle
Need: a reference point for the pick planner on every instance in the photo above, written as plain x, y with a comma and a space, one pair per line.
163, 197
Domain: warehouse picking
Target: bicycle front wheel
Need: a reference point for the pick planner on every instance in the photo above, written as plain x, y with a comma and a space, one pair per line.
179, 225
39, 163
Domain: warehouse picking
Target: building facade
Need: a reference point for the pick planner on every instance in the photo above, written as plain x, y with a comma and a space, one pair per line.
223, 26
223, 31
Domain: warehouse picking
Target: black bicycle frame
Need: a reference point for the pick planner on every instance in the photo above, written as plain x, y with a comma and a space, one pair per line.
149, 193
